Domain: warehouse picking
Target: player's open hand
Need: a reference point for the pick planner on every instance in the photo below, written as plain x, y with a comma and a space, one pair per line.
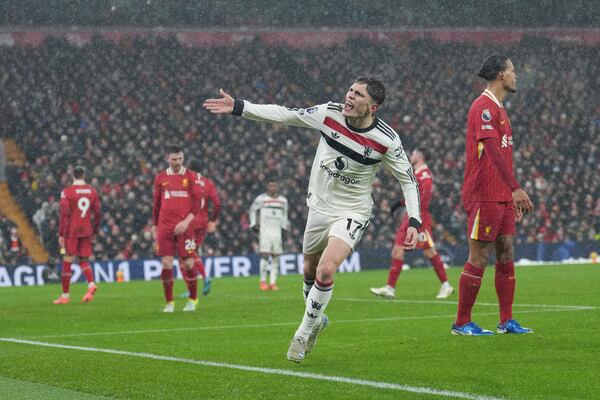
412, 237
211, 227
523, 204
224, 105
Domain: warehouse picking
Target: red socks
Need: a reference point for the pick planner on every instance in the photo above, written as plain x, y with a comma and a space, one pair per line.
395, 270
87, 271
468, 289
65, 276
191, 281
438, 266
505, 289
199, 266
166, 276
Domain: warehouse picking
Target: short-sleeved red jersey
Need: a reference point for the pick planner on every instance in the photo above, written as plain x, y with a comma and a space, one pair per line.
209, 194
79, 211
175, 196
482, 181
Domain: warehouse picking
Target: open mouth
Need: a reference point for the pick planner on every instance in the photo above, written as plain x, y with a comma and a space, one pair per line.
348, 106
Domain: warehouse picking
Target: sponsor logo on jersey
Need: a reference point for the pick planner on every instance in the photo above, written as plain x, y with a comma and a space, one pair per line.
507, 141
176, 193
486, 127
341, 163
336, 174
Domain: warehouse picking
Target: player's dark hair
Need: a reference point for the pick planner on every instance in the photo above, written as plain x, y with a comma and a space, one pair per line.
174, 148
195, 165
78, 172
492, 66
375, 88
272, 177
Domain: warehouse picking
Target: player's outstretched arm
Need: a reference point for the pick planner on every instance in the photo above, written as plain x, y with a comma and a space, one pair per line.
222, 105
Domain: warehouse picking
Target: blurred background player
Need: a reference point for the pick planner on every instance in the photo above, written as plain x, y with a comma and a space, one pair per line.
272, 210
176, 203
204, 222
78, 223
493, 199
425, 181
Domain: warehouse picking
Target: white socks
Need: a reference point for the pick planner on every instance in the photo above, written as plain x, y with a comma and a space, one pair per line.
316, 302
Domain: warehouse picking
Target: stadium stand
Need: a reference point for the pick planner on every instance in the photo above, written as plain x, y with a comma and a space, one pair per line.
113, 107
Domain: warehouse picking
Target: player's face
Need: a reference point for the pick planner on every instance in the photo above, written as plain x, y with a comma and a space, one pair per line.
358, 102
175, 161
509, 78
272, 188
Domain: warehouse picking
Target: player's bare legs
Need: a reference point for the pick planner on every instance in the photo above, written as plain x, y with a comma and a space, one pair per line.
311, 261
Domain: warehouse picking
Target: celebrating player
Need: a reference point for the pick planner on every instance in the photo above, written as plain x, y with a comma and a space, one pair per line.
492, 199
425, 181
273, 218
176, 203
354, 143
79, 222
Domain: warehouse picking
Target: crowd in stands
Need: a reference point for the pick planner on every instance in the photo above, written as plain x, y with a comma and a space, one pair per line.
114, 108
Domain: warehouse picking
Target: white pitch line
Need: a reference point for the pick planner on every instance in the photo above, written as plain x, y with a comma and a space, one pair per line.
271, 371
274, 324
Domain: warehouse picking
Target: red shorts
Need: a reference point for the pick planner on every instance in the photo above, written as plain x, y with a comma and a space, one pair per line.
487, 219
78, 246
425, 238
167, 244
199, 234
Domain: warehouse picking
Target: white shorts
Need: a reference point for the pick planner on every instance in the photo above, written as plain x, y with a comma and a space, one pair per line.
319, 227
270, 242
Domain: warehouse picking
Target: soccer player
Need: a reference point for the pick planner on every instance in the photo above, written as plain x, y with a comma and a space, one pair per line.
354, 143
176, 203
272, 209
492, 199
78, 223
204, 223
425, 181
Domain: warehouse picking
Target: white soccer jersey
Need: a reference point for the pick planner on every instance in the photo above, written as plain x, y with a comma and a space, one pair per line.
273, 213
347, 158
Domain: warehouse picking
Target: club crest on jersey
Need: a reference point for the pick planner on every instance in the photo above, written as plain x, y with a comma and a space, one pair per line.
367, 152
486, 115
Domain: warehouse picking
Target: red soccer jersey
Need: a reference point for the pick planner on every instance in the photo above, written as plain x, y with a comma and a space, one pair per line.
175, 196
79, 204
482, 180
208, 192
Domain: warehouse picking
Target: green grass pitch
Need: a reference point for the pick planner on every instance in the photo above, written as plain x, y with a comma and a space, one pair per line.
122, 346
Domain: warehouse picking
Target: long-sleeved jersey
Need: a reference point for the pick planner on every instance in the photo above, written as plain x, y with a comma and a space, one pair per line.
79, 211
346, 160
208, 194
273, 213
175, 196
